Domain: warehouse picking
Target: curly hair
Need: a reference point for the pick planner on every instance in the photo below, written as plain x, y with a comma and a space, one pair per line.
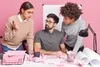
71, 10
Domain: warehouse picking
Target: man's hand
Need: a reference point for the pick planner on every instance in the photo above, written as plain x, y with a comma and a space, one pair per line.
60, 53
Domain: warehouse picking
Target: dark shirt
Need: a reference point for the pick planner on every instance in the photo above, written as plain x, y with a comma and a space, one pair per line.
49, 41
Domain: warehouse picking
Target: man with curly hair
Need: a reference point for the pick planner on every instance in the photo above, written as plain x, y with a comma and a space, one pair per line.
71, 26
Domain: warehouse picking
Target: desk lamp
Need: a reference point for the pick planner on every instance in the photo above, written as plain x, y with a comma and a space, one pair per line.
84, 33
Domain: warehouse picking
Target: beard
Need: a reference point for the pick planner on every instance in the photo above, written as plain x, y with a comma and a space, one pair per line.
47, 27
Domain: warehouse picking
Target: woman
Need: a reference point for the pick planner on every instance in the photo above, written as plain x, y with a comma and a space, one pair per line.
18, 28
71, 26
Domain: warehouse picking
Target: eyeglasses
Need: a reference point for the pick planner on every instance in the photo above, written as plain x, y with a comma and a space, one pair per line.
29, 12
49, 22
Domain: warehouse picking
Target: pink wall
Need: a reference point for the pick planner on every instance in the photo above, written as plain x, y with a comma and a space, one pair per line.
91, 15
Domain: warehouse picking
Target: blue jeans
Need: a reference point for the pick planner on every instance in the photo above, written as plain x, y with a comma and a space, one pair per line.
5, 48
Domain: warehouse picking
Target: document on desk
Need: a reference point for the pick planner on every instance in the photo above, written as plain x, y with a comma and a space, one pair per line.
89, 57
54, 60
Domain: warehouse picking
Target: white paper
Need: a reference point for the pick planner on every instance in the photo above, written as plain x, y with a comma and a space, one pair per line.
81, 56
89, 56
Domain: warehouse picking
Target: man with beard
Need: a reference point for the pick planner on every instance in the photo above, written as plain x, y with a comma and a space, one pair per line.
49, 41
